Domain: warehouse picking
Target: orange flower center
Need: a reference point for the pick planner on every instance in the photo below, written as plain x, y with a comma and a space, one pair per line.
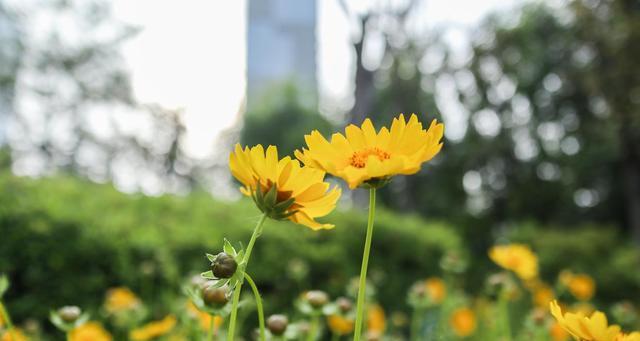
359, 159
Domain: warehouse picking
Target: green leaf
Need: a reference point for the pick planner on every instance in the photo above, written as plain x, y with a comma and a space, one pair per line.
271, 197
208, 275
228, 248
211, 257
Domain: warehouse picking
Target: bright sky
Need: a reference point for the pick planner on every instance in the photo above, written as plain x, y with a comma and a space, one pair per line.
191, 55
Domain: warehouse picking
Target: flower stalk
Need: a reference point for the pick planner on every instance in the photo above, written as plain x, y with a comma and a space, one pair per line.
365, 264
257, 231
258, 299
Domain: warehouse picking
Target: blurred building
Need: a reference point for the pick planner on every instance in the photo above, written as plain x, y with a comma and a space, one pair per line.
281, 49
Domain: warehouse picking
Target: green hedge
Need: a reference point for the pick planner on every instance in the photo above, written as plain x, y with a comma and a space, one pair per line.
65, 240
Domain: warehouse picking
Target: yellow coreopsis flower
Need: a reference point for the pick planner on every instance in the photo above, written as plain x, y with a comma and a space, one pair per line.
204, 318
557, 332
585, 328
90, 331
435, 289
154, 329
635, 336
542, 295
298, 193
581, 286
9, 335
121, 299
516, 257
376, 321
463, 322
340, 325
367, 156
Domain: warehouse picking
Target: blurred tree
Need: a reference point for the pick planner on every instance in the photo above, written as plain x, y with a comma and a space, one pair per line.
10, 55
75, 110
283, 121
552, 99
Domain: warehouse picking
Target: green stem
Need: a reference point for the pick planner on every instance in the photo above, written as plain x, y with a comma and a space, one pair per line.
363, 270
5, 317
313, 331
68, 336
504, 311
210, 333
415, 323
256, 294
236, 294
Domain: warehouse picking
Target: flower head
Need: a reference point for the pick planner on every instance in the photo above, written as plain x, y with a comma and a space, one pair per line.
90, 331
9, 336
463, 322
121, 299
516, 257
340, 325
581, 286
585, 328
282, 188
376, 321
154, 329
367, 156
635, 336
557, 332
204, 318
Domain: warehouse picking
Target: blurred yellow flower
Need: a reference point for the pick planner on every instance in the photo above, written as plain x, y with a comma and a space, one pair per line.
516, 257
435, 289
463, 322
557, 332
635, 336
90, 331
121, 299
584, 328
542, 295
300, 189
154, 329
366, 155
581, 286
376, 321
340, 325
19, 335
204, 318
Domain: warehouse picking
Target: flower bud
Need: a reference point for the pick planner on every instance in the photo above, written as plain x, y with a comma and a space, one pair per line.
69, 314
277, 324
216, 297
344, 304
224, 266
317, 298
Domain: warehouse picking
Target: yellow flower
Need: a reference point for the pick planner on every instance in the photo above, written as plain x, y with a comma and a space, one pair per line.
436, 289
204, 318
583, 328
90, 331
121, 299
340, 325
516, 257
365, 155
635, 336
542, 295
463, 322
19, 335
376, 321
581, 286
557, 332
301, 193
154, 329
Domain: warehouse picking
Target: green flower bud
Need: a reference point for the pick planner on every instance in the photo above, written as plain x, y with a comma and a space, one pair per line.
277, 324
215, 297
69, 314
317, 298
224, 266
344, 304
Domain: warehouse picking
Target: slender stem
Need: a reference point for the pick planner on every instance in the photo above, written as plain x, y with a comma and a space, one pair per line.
416, 320
210, 332
236, 293
313, 331
363, 270
256, 294
504, 311
5, 317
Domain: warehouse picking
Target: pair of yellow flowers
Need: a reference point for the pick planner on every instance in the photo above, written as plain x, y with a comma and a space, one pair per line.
362, 156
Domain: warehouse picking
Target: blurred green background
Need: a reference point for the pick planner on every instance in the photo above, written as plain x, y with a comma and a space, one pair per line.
544, 107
